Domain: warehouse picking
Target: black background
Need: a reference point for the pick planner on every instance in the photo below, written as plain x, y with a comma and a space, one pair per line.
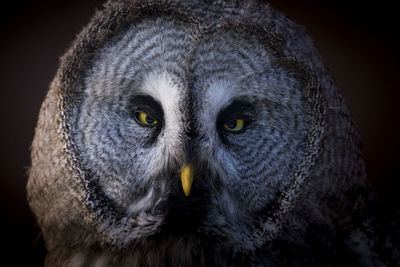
357, 40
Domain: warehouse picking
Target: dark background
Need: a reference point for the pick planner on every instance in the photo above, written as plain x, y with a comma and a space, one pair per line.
357, 41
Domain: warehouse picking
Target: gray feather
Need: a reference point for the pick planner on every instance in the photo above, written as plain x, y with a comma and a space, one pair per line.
288, 189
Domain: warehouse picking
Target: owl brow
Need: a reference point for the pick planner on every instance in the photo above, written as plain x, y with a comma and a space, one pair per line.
262, 99
237, 108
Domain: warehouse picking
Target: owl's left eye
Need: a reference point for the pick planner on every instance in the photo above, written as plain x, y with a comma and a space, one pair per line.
235, 118
234, 126
145, 119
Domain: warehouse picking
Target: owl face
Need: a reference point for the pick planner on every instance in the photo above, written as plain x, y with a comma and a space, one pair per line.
163, 95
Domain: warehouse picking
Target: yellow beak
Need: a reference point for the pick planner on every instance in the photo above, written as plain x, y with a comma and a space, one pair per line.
187, 175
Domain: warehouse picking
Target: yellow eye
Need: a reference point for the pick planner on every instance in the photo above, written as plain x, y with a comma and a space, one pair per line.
234, 125
145, 119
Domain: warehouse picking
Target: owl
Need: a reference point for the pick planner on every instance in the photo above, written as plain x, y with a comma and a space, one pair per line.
199, 133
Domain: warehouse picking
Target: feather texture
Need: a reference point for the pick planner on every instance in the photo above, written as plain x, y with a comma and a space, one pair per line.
290, 188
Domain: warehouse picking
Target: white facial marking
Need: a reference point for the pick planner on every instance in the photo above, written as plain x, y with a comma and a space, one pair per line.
168, 91
219, 93
162, 87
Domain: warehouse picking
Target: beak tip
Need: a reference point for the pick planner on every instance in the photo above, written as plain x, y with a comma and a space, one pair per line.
186, 192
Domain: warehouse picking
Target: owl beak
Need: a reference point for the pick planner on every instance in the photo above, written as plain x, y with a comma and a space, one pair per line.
187, 175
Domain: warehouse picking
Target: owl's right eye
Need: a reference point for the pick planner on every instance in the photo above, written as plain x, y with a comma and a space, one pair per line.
146, 111
145, 119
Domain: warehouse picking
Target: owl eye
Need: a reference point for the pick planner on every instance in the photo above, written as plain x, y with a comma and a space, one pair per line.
145, 119
234, 126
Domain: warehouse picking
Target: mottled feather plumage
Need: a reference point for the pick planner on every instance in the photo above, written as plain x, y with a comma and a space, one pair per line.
290, 189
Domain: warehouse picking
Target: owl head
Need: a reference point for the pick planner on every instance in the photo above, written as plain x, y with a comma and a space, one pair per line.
206, 124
